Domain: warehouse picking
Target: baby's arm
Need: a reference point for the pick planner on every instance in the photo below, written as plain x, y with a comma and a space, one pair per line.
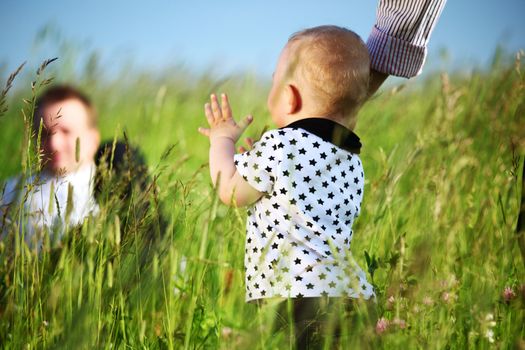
223, 134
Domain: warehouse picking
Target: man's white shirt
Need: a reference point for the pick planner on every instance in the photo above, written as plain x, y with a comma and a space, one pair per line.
43, 199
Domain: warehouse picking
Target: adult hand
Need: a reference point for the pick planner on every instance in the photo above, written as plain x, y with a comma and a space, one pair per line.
376, 80
249, 145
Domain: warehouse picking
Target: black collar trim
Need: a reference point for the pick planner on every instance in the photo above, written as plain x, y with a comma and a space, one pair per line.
330, 131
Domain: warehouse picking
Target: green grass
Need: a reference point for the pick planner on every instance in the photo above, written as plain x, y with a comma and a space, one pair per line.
438, 221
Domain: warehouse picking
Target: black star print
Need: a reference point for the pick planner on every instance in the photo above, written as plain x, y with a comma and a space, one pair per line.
298, 167
268, 169
311, 189
258, 154
338, 161
308, 207
280, 145
343, 173
316, 144
331, 284
282, 132
306, 252
297, 261
275, 205
298, 278
334, 150
293, 142
293, 201
286, 173
313, 162
302, 151
351, 168
309, 286
356, 180
283, 190
309, 268
318, 172
331, 195
325, 184
329, 212
290, 156
359, 191
320, 201
323, 155
271, 158
302, 196
322, 276
280, 236
328, 167
306, 179
304, 134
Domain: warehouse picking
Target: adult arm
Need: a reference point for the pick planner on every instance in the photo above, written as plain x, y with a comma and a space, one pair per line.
398, 41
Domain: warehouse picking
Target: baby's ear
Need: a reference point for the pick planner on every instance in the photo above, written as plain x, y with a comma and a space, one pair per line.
294, 98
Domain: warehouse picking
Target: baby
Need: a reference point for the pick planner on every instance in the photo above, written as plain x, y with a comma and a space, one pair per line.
304, 181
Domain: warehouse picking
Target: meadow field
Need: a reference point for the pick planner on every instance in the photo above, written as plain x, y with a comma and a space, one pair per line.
164, 268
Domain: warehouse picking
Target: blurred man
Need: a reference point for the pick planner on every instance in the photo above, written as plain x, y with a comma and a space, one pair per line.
61, 195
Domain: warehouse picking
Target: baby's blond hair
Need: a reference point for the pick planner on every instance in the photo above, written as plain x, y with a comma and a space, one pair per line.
334, 62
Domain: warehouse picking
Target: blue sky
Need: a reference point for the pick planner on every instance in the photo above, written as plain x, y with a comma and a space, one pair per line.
232, 35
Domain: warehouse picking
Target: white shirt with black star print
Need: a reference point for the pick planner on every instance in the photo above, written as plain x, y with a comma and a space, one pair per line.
299, 233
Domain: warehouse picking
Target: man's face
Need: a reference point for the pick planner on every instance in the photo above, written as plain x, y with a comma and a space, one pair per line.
64, 123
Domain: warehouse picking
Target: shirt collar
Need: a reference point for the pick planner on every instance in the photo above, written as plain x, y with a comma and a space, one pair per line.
330, 131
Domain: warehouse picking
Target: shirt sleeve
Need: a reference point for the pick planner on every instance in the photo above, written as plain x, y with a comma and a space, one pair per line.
9, 191
258, 166
399, 38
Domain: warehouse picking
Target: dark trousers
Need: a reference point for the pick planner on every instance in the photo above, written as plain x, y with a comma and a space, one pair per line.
315, 323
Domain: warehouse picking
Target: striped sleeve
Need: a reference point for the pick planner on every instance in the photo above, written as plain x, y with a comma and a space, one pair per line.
398, 41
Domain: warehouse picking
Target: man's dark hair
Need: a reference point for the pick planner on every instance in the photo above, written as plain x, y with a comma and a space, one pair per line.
59, 93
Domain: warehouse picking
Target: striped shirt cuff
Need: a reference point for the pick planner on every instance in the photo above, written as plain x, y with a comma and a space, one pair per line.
394, 56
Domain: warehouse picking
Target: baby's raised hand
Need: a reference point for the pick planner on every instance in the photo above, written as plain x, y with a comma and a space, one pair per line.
221, 121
